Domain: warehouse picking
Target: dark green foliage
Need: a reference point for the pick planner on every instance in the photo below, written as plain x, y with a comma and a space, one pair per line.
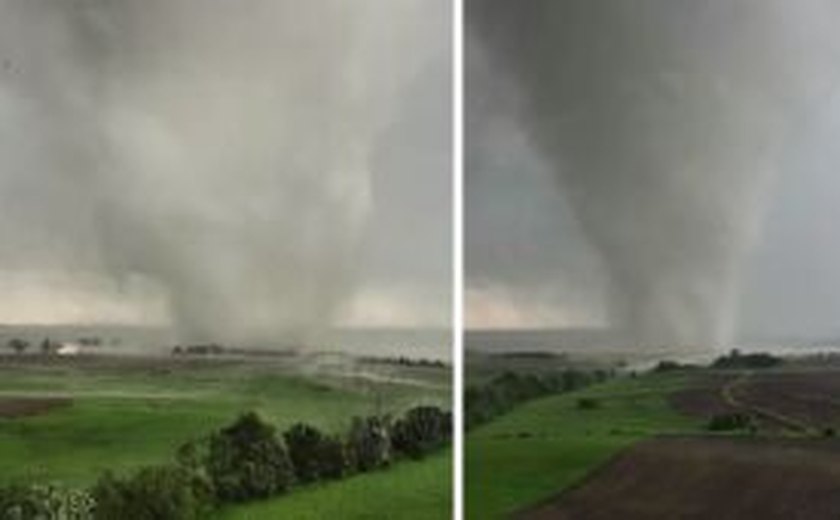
247, 460
421, 430
482, 403
153, 493
731, 421
404, 361
193, 455
241, 462
47, 502
735, 359
369, 444
314, 456
672, 366
333, 457
588, 403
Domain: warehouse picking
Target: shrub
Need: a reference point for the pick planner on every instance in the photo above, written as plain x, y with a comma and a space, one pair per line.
333, 457
730, 421
153, 493
588, 403
45, 502
483, 403
314, 455
422, 430
667, 365
246, 460
736, 359
368, 443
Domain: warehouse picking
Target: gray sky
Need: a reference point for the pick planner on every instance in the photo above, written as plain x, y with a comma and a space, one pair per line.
529, 262
249, 170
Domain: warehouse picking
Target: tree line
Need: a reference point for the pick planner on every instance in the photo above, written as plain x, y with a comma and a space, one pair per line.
244, 461
498, 396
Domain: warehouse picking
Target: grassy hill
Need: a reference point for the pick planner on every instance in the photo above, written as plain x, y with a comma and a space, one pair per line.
548, 444
123, 414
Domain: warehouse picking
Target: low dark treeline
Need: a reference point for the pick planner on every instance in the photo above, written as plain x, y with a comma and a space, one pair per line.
731, 421
404, 361
485, 402
532, 354
667, 365
209, 349
735, 359
247, 460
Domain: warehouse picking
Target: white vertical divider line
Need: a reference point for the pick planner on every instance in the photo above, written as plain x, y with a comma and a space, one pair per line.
458, 256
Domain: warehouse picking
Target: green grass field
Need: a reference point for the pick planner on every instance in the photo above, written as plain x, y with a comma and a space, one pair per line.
548, 444
133, 414
409, 491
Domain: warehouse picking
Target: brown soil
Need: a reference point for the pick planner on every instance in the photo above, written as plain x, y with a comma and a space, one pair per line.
809, 397
708, 478
801, 401
15, 407
703, 399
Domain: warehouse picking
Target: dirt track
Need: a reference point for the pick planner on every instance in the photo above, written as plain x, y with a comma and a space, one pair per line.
15, 407
708, 478
796, 401
704, 398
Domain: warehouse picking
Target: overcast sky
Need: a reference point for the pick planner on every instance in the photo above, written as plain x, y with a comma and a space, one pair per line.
182, 160
529, 264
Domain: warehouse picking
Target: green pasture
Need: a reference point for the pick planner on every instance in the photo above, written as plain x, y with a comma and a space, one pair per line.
126, 416
548, 444
410, 490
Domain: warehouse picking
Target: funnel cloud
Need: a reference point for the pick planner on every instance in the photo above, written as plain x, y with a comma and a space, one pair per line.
222, 152
665, 127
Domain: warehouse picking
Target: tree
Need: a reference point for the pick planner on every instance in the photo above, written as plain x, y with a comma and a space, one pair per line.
45, 502
333, 458
588, 403
423, 429
313, 454
369, 444
153, 493
246, 460
18, 345
731, 421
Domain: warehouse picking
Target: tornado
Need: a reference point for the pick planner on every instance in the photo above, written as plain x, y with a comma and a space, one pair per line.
221, 150
665, 123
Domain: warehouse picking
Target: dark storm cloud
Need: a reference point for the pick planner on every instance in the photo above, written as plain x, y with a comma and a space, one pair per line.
663, 126
226, 151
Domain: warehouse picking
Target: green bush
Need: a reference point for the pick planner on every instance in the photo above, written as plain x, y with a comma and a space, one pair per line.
485, 402
588, 403
314, 455
369, 444
246, 460
45, 502
731, 421
737, 359
153, 493
333, 458
423, 429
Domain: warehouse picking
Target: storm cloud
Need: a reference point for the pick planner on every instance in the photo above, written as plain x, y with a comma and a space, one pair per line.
639, 147
233, 158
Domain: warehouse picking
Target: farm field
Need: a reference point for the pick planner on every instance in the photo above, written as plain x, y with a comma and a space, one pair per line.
68, 420
783, 401
551, 458
707, 477
547, 444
